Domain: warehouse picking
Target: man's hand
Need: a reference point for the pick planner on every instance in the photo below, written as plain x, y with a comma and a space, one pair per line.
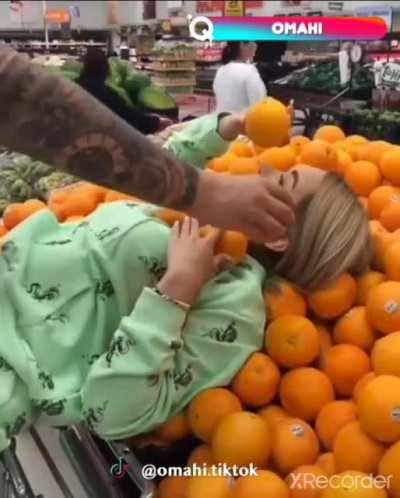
253, 205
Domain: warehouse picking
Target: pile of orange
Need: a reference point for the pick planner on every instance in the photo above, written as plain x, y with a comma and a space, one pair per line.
323, 397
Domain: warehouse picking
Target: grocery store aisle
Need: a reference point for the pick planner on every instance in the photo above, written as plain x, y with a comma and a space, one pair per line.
37, 471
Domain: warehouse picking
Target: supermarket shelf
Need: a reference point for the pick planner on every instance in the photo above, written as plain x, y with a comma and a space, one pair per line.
173, 69
172, 59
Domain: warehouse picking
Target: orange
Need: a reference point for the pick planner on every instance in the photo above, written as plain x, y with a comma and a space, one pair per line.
391, 261
304, 392
326, 462
390, 216
294, 443
372, 151
353, 449
330, 133
365, 283
352, 149
297, 143
257, 382
169, 216
382, 240
174, 429
208, 408
272, 414
353, 484
244, 166
209, 486
364, 203
241, 148
325, 344
363, 177
240, 439
389, 467
79, 201
332, 418
303, 481
334, 299
18, 212
233, 244
354, 328
389, 164
319, 154
282, 299
3, 229
379, 198
202, 455
267, 123
379, 408
173, 487
383, 307
345, 365
221, 164
263, 485
344, 160
282, 158
361, 383
292, 341
113, 195
386, 355
356, 139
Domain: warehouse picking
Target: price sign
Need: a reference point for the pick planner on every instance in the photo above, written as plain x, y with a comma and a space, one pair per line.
390, 75
58, 17
234, 8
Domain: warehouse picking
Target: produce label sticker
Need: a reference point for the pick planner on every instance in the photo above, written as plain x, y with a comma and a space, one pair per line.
396, 414
391, 307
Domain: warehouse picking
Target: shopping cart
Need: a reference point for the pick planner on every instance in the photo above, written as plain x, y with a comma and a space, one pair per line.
92, 460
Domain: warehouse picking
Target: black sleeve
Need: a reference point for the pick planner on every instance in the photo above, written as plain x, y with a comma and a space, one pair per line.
142, 121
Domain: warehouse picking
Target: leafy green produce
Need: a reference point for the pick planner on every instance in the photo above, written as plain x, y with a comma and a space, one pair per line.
134, 83
156, 99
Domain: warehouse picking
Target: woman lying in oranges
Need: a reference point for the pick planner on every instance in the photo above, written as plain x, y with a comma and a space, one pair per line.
119, 321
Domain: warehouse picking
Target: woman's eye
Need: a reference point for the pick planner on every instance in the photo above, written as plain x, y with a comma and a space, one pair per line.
295, 177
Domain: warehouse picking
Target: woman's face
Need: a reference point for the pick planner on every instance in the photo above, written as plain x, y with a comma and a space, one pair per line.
300, 181
248, 50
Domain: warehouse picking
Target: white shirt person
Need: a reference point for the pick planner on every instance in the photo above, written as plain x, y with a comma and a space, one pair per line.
237, 83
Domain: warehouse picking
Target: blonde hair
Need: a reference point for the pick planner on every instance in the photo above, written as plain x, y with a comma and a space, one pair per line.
330, 236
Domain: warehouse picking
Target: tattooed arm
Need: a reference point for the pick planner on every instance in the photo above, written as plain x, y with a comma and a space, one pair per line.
53, 120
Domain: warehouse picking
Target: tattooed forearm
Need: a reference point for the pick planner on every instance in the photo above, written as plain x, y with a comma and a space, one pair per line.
53, 120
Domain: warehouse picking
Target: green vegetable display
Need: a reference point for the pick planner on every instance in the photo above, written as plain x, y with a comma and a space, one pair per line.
154, 98
376, 124
127, 83
325, 78
21, 179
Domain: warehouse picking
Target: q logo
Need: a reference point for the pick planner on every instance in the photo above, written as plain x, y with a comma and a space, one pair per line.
118, 470
203, 34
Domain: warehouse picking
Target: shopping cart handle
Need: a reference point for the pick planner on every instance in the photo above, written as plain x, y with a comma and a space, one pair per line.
15, 474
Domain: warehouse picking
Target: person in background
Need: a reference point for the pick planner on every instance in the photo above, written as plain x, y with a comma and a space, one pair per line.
94, 74
237, 84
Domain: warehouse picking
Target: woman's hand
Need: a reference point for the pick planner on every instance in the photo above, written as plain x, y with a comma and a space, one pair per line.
191, 261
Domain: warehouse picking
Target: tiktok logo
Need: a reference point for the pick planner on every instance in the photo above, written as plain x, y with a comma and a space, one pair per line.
118, 470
